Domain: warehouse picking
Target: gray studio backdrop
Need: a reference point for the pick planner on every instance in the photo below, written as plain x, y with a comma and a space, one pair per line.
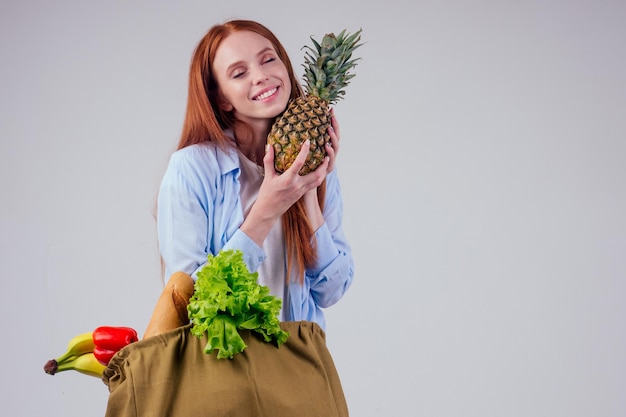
483, 163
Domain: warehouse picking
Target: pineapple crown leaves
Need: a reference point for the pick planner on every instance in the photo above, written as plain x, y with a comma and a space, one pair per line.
327, 65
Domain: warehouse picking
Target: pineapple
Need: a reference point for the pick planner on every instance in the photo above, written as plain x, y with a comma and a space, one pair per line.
326, 74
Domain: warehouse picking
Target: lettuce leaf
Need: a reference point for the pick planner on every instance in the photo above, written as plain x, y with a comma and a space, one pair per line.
227, 297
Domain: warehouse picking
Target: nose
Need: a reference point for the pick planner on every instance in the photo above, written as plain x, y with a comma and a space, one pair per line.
258, 74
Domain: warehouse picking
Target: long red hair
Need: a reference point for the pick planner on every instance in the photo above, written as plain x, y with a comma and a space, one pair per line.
206, 121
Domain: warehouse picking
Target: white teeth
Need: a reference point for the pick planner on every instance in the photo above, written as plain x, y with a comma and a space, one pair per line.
266, 94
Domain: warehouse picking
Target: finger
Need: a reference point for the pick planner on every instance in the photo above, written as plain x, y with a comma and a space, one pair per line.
268, 161
298, 163
334, 139
331, 150
334, 124
325, 167
331, 154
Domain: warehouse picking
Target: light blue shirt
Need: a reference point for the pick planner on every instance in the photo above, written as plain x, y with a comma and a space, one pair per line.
200, 212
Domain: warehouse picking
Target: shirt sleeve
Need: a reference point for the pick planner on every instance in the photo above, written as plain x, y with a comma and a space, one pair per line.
253, 254
182, 218
331, 277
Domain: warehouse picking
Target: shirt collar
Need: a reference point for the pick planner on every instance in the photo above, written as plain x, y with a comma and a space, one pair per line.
228, 160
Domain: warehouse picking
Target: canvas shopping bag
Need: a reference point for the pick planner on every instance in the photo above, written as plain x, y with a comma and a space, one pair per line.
170, 375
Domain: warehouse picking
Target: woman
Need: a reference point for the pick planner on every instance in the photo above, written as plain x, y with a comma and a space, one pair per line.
221, 191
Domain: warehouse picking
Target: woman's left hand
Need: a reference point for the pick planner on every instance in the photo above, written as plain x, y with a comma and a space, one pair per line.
332, 148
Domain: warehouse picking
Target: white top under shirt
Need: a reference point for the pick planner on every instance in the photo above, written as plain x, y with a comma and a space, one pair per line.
272, 272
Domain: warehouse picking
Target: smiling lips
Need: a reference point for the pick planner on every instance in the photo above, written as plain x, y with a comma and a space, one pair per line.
266, 94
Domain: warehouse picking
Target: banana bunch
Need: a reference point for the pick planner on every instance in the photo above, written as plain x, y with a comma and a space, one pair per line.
79, 357
89, 353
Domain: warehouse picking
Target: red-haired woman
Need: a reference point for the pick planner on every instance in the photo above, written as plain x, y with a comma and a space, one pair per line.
221, 191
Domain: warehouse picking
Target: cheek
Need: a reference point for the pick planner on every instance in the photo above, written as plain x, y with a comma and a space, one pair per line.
234, 93
287, 84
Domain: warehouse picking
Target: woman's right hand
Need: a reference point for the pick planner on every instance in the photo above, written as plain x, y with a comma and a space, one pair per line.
287, 188
278, 192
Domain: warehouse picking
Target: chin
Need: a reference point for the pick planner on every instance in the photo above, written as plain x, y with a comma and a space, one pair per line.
281, 110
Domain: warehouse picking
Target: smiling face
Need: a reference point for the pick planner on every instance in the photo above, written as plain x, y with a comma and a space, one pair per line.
253, 81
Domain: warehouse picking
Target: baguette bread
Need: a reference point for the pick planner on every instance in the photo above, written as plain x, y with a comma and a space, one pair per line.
170, 311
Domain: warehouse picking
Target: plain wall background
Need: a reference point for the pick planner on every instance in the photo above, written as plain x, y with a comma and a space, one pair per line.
483, 163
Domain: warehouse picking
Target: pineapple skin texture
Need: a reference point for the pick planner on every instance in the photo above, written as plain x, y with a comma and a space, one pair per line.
304, 118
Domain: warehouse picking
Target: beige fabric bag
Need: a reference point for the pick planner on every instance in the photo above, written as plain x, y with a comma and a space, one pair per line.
170, 375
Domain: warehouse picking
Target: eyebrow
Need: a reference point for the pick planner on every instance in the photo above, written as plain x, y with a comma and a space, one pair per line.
261, 52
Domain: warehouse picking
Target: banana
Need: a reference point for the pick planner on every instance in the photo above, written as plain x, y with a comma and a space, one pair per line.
85, 364
77, 346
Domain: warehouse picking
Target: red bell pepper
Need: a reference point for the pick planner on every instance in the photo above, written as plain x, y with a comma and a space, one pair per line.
114, 338
103, 355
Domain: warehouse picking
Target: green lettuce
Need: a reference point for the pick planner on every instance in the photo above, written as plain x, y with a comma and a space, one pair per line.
226, 298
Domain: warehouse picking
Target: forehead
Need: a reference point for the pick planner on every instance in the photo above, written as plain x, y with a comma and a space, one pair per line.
240, 46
